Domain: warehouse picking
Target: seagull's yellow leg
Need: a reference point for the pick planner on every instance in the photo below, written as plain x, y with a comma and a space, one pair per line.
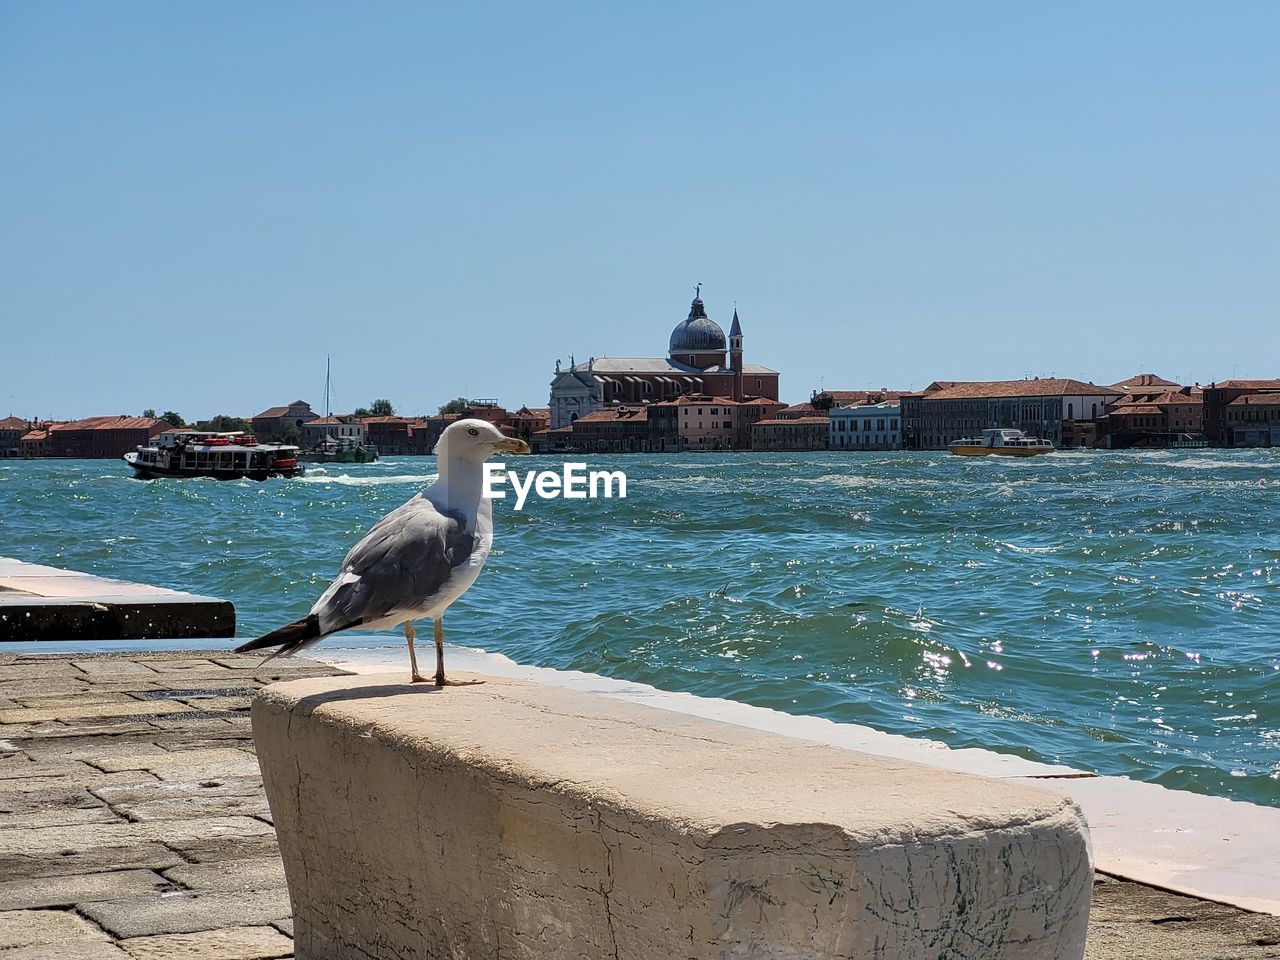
440, 680
414, 676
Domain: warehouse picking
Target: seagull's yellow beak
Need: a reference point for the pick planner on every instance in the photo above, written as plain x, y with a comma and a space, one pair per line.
511, 445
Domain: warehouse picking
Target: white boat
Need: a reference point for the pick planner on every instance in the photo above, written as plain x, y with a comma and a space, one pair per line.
1000, 442
226, 456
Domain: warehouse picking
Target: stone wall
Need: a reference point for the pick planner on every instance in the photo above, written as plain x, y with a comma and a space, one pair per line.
515, 820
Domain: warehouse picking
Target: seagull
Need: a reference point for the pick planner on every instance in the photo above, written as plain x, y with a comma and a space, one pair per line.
416, 560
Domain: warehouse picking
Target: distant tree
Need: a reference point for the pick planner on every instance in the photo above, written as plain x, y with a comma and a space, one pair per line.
290, 434
149, 412
174, 418
379, 408
460, 405
224, 424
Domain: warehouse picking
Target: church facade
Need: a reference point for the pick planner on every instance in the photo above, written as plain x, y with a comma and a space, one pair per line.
700, 361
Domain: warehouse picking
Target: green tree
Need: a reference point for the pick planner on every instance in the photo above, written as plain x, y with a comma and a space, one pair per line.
221, 423
149, 412
172, 416
459, 405
379, 408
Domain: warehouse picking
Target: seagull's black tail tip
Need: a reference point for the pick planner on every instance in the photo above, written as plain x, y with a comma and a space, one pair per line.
288, 638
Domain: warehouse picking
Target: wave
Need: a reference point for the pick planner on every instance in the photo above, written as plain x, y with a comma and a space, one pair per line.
346, 480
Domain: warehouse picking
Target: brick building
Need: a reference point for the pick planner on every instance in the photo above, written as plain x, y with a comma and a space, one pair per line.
620, 429
103, 437
1049, 408
279, 423
12, 430
795, 433
1218, 399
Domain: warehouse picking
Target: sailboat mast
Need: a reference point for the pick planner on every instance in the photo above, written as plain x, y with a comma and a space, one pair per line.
326, 386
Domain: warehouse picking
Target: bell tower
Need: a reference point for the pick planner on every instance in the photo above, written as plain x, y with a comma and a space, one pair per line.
735, 355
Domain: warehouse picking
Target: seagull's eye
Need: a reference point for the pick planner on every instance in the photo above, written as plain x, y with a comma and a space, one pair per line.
474, 432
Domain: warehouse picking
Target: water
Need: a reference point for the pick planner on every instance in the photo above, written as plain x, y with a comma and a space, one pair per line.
1115, 612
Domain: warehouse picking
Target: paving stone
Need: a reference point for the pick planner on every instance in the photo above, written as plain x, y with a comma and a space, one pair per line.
90, 748
54, 802
74, 710
40, 669
187, 912
87, 728
248, 873
221, 703
187, 764
284, 926
234, 943
29, 928
111, 667
179, 807
50, 686
80, 888
79, 950
169, 832
58, 863
211, 786
185, 665
204, 725
213, 850
21, 767
42, 701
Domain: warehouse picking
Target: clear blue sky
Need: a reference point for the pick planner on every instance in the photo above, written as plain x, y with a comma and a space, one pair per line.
201, 200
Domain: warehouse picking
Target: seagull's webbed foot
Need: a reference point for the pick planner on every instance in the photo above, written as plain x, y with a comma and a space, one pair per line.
441, 680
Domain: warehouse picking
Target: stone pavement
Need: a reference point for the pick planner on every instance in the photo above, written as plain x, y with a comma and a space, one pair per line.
133, 824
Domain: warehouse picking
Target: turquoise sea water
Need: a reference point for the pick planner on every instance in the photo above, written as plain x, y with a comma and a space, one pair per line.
1115, 612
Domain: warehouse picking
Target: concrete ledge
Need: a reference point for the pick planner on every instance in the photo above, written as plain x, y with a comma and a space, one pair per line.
520, 820
48, 603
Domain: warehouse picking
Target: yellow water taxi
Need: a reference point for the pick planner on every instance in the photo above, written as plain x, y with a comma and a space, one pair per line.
1000, 442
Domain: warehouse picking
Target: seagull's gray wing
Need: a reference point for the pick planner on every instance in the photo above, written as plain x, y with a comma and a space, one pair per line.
398, 566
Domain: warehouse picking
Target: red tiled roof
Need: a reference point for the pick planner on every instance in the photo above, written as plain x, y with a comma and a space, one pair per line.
775, 421
13, 423
1247, 385
1047, 387
1129, 384
35, 435
850, 398
271, 413
615, 415
1135, 408
1256, 399
115, 423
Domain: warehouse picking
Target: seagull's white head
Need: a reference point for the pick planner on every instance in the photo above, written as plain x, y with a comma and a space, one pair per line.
477, 441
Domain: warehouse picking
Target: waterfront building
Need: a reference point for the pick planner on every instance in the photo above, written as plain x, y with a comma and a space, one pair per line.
12, 430
1152, 419
278, 423
620, 429
1219, 426
35, 442
103, 437
875, 426
344, 429
527, 421
1253, 420
700, 360
795, 433
393, 436
552, 440
1054, 409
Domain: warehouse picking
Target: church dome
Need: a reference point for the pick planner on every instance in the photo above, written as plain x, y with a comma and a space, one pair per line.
698, 333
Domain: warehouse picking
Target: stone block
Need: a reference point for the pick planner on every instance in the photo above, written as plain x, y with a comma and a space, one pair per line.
62, 861
33, 928
526, 821
234, 943
248, 873
186, 764
187, 912
70, 890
